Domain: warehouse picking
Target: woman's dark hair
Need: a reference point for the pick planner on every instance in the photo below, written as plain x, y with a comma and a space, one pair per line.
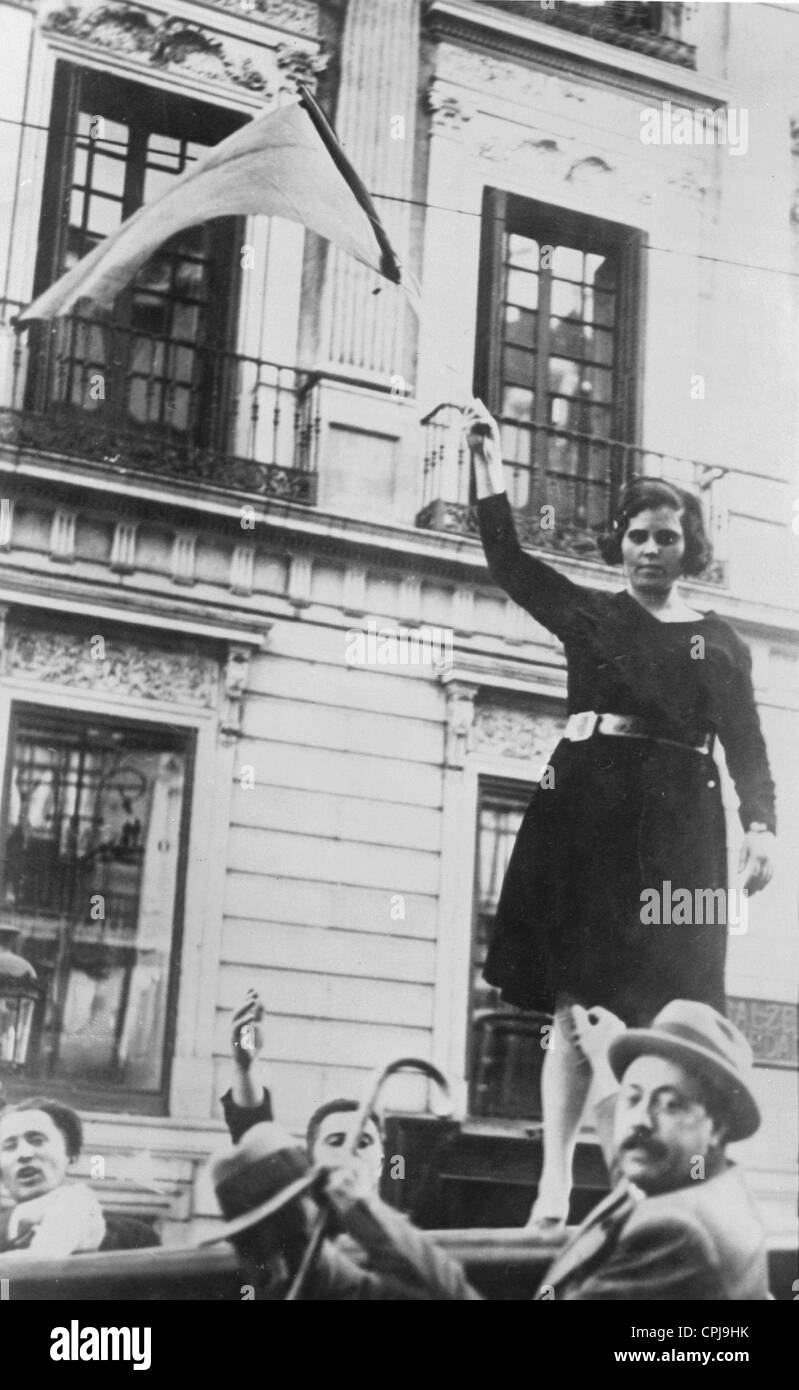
68, 1121
643, 493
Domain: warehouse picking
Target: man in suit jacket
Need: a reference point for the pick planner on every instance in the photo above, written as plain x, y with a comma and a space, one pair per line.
679, 1224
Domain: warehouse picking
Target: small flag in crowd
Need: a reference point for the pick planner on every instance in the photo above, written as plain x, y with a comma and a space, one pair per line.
285, 163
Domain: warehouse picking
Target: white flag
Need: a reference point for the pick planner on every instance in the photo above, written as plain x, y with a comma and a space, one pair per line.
285, 163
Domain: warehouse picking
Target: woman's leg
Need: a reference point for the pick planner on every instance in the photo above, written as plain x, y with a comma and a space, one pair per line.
565, 1083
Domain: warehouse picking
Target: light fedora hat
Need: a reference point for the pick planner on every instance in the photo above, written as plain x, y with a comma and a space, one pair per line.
258, 1177
701, 1039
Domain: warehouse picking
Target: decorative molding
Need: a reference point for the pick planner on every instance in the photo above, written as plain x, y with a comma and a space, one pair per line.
770, 1029
242, 566
123, 547
299, 580
62, 536
463, 611
515, 624
353, 601
163, 41
686, 184
7, 505
481, 71
233, 686
299, 16
410, 600
512, 732
588, 168
126, 668
299, 64
503, 41
183, 556
450, 109
460, 718
4, 612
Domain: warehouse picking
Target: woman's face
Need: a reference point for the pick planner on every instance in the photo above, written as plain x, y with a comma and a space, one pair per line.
652, 549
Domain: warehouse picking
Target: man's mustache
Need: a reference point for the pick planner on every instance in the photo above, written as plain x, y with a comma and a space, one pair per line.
639, 1140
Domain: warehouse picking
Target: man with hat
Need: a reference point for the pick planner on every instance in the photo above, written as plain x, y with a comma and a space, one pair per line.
264, 1185
679, 1223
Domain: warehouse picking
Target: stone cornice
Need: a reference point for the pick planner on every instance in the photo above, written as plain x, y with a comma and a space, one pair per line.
78, 598
443, 555
561, 51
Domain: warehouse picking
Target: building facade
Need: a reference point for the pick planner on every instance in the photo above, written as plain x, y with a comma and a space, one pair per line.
268, 721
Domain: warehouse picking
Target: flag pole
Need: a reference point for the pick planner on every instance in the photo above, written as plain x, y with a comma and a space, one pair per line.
390, 266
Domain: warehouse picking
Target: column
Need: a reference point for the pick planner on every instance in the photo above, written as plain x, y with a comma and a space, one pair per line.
375, 122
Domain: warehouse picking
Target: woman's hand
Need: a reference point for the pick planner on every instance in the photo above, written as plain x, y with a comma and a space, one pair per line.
593, 1030
343, 1187
246, 1033
755, 862
485, 447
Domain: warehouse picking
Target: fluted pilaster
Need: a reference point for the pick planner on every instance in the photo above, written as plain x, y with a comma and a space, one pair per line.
375, 121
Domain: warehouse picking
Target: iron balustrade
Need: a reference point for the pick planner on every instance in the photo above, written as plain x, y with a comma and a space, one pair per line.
652, 28
90, 388
563, 485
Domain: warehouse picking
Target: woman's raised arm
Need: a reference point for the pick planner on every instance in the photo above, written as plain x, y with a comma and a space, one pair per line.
550, 597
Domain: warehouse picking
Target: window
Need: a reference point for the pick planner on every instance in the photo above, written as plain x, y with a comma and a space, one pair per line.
155, 364
558, 355
92, 873
505, 1045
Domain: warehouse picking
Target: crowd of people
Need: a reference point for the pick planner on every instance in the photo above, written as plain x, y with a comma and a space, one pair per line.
678, 1222
639, 1037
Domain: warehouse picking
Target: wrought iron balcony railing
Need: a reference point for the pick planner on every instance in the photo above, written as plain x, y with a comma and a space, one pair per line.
563, 485
148, 403
652, 28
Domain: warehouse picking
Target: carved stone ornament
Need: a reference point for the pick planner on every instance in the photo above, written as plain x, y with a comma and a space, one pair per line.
512, 80
497, 145
687, 184
299, 16
110, 666
587, 170
161, 40
516, 733
451, 110
460, 718
236, 670
299, 64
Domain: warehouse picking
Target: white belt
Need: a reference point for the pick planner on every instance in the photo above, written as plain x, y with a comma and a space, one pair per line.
587, 723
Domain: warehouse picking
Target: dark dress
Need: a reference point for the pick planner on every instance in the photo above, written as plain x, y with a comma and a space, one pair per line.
624, 814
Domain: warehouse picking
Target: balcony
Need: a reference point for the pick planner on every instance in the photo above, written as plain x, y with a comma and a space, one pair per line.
142, 403
563, 485
654, 29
